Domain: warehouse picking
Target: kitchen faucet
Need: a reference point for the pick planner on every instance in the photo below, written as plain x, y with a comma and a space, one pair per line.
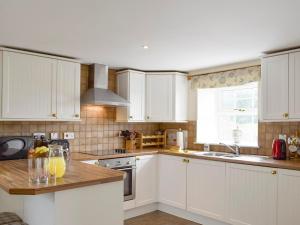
236, 150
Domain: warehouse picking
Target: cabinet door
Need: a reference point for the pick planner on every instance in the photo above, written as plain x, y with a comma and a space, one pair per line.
29, 87
68, 90
294, 84
288, 197
172, 181
131, 86
252, 195
146, 184
137, 94
159, 96
275, 84
206, 188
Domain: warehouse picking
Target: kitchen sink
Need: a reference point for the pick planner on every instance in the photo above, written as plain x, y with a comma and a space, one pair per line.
216, 154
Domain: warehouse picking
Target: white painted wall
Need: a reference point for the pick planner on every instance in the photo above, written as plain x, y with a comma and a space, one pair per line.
192, 103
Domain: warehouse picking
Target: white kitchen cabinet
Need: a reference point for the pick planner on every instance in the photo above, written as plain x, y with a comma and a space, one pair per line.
172, 181
252, 194
294, 84
131, 86
68, 90
275, 87
206, 188
29, 86
288, 197
166, 97
38, 87
146, 180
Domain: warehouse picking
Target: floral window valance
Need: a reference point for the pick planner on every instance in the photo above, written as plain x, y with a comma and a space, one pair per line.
227, 78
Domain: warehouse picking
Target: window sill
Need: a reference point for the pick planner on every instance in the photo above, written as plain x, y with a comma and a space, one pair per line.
217, 144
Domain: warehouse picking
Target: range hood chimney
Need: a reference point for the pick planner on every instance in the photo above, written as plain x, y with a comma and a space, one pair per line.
98, 93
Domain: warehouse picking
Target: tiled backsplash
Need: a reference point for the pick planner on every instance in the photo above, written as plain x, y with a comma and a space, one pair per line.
98, 129
266, 133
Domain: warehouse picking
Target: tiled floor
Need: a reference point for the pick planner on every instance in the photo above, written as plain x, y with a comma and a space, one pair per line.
158, 218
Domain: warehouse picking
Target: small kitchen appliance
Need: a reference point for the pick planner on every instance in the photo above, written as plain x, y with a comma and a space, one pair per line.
279, 149
15, 147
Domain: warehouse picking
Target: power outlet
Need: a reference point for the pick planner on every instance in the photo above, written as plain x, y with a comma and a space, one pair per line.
69, 135
282, 137
39, 135
54, 136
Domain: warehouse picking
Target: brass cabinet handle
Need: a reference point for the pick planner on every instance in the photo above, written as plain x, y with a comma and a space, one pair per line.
53, 114
137, 158
285, 115
130, 117
274, 172
77, 115
148, 117
185, 160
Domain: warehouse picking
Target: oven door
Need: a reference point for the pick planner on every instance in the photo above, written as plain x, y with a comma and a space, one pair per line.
129, 182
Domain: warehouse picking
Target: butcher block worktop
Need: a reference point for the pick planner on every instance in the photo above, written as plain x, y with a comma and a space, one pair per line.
14, 178
87, 156
254, 160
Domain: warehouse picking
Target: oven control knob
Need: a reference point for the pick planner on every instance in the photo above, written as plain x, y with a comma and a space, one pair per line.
128, 163
106, 165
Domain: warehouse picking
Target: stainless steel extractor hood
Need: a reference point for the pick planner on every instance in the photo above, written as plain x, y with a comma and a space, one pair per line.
98, 93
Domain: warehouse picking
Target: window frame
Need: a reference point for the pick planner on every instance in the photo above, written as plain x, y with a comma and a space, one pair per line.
256, 145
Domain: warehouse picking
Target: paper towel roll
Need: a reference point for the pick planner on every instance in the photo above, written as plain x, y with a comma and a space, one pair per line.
179, 139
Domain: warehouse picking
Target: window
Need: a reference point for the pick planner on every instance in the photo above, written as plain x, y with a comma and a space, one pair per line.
221, 110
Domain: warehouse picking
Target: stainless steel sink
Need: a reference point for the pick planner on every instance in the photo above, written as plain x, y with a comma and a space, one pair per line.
216, 154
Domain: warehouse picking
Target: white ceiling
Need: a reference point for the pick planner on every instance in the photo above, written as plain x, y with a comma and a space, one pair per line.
181, 34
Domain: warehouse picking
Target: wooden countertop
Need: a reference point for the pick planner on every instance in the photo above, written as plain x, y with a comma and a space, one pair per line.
254, 160
14, 178
87, 156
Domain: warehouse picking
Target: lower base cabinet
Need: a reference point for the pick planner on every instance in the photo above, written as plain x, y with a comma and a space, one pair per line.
235, 194
146, 180
172, 181
206, 182
288, 197
252, 194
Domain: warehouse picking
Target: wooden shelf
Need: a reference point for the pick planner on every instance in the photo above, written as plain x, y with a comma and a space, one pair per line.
152, 144
157, 140
153, 136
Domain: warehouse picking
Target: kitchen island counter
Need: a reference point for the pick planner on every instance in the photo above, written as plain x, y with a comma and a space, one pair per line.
82, 196
14, 178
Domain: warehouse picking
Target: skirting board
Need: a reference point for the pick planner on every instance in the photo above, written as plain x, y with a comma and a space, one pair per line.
140, 210
173, 211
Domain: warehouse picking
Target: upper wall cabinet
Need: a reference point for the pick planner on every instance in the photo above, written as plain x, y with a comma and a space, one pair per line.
280, 82
68, 90
37, 87
166, 97
131, 86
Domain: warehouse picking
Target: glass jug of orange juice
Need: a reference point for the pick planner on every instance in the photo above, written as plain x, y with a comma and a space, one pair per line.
57, 163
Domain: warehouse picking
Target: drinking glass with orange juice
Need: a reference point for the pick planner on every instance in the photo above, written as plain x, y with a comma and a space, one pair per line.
57, 163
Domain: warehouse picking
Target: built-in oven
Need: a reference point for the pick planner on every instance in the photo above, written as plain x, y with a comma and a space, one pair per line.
128, 166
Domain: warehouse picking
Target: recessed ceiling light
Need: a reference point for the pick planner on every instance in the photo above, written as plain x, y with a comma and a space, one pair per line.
145, 46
